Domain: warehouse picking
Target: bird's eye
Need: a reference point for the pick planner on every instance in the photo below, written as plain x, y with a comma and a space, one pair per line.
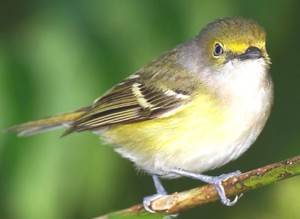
218, 50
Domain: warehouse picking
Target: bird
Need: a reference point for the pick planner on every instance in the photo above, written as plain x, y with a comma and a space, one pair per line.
193, 109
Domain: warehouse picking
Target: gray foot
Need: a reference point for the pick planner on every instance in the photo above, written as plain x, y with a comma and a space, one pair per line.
215, 180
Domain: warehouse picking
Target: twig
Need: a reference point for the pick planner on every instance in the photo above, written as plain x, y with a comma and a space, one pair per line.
181, 201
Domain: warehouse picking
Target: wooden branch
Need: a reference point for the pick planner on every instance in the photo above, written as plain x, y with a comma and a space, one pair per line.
181, 201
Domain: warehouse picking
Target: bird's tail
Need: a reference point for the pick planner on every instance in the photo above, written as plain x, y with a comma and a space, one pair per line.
48, 123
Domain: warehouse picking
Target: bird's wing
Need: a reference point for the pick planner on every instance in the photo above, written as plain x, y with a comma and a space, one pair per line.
131, 101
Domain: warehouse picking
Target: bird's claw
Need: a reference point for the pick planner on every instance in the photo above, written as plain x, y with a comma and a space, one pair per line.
149, 199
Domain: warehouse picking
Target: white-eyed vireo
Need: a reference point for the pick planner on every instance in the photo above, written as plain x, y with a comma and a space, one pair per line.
193, 109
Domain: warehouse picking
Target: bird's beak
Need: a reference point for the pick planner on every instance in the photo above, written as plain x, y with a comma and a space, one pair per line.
251, 53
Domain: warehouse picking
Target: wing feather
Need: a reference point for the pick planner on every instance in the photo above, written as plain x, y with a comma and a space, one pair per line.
129, 101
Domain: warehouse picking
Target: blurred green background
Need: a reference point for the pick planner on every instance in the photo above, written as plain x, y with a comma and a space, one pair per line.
57, 56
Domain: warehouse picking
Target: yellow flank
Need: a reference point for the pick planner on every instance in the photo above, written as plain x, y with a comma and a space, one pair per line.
195, 131
161, 128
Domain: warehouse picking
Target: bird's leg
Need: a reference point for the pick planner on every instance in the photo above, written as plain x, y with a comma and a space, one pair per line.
158, 185
215, 180
160, 191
